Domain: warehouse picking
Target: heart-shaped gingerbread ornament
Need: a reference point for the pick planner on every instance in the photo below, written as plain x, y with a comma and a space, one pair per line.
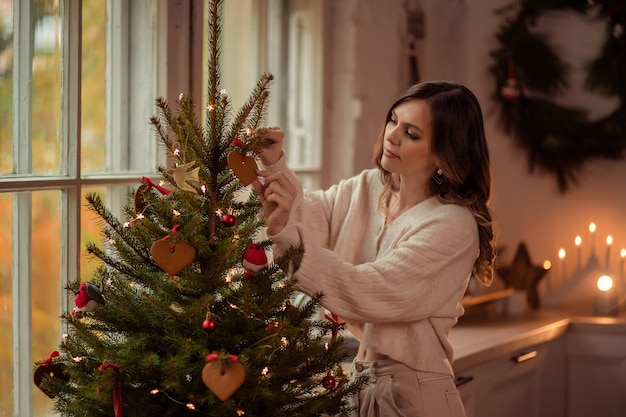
223, 379
50, 370
140, 198
243, 166
172, 258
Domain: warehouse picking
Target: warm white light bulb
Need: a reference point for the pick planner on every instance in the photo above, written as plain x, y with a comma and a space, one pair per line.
622, 253
605, 283
609, 240
547, 265
592, 227
561, 253
578, 240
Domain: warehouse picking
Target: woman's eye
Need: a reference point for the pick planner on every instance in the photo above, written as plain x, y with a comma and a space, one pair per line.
411, 136
392, 121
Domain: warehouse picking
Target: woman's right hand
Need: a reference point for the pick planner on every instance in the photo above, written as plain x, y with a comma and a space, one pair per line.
277, 196
273, 149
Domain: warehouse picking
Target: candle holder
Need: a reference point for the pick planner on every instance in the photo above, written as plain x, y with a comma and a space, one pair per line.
607, 298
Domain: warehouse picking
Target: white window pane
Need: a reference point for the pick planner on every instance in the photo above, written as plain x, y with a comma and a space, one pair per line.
119, 86
93, 89
283, 38
46, 88
115, 198
239, 50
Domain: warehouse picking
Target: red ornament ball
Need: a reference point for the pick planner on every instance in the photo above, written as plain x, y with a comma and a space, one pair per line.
209, 325
329, 382
228, 220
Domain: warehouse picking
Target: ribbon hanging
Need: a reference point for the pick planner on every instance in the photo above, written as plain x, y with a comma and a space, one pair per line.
150, 184
238, 143
117, 389
333, 318
211, 357
167, 237
47, 361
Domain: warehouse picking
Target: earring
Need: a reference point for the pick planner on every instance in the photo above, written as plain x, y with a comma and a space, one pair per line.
438, 177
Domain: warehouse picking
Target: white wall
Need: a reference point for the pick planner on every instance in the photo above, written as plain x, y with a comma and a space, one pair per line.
459, 37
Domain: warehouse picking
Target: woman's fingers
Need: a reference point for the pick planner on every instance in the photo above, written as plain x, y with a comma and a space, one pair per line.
277, 196
271, 152
275, 136
258, 188
279, 185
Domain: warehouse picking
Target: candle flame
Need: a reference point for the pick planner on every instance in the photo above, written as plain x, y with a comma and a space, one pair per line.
622, 253
578, 240
605, 283
609, 240
547, 265
561, 253
592, 227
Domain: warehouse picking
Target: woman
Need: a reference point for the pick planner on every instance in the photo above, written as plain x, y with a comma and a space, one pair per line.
393, 248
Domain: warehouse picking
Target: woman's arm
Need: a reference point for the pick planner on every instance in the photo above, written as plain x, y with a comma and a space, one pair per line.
425, 272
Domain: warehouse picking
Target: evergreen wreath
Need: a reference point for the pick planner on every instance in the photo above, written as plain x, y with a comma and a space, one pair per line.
528, 74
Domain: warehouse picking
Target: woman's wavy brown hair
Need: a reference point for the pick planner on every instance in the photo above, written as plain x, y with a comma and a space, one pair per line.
459, 146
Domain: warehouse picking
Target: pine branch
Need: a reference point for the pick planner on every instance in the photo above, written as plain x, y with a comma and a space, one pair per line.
214, 40
97, 206
252, 112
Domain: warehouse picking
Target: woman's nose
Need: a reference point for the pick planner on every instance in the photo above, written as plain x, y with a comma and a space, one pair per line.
392, 136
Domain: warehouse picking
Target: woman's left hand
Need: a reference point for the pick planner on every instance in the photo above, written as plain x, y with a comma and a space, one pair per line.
277, 196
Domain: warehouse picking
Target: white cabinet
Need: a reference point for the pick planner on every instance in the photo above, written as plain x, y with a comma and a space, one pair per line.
596, 370
528, 382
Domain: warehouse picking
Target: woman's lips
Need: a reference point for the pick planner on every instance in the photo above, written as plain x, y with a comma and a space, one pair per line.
390, 154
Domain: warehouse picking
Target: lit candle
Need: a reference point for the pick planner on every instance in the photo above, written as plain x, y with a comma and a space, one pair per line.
547, 265
562, 262
592, 230
609, 242
579, 257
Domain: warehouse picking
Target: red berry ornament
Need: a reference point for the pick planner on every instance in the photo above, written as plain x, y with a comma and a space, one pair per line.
329, 382
209, 325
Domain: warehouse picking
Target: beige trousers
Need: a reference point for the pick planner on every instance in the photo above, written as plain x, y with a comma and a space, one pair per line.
394, 389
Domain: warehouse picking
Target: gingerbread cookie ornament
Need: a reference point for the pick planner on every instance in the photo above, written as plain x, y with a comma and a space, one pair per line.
223, 377
171, 253
244, 167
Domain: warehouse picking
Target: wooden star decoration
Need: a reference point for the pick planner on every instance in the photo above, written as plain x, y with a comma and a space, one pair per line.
523, 275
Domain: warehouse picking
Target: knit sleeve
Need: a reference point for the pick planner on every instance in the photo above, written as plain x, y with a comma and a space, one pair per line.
321, 212
424, 274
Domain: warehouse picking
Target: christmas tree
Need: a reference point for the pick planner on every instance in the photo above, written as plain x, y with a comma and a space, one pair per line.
186, 316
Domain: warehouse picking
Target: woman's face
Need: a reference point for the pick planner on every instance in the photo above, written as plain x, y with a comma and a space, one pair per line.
407, 139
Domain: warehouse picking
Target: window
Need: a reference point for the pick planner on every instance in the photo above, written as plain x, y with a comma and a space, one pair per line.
76, 92
281, 37
78, 80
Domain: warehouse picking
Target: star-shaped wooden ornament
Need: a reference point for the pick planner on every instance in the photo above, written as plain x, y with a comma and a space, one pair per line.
523, 275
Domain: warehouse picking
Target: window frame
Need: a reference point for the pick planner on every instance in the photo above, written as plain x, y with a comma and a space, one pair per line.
70, 181
178, 59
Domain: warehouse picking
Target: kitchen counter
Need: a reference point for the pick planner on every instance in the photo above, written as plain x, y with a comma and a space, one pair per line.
478, 339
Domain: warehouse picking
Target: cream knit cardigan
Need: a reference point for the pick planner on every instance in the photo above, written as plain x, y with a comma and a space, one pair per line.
399, 287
